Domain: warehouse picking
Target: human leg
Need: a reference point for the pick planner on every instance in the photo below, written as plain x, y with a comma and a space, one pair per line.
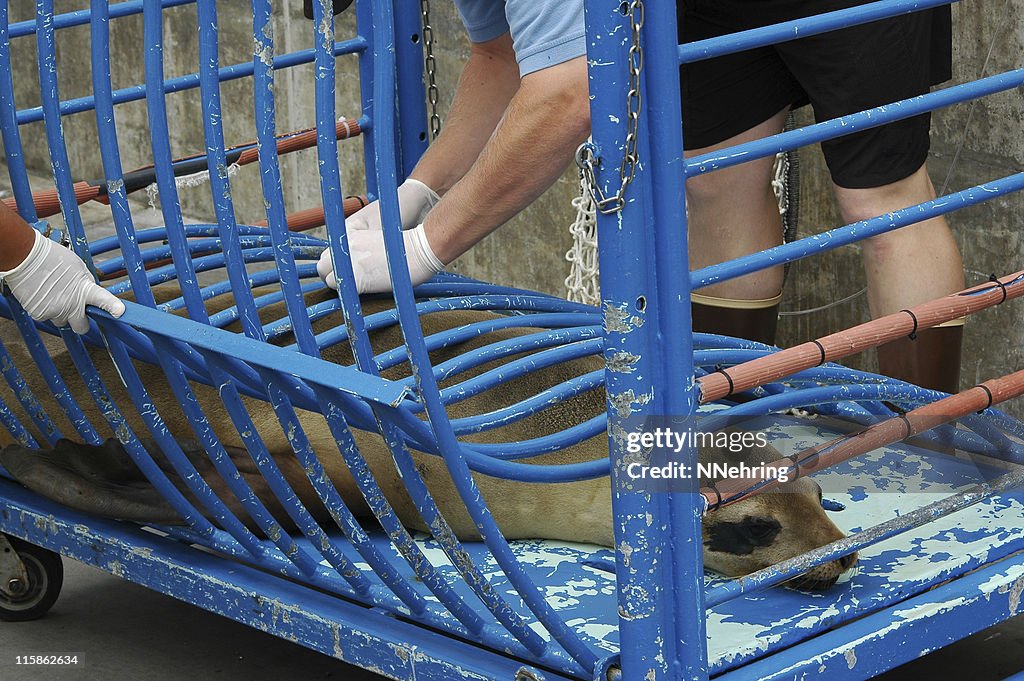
731, 213
878, 170
906, 267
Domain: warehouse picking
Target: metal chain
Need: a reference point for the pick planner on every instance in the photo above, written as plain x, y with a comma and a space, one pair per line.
586, 159
430, 65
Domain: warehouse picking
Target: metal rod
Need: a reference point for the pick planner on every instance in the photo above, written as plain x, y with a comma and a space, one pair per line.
801, 28
976, 399
843, 236
190, 81
792, 567
848, 342
82, 17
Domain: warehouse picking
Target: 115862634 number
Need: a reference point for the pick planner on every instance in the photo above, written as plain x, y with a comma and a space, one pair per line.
71, 659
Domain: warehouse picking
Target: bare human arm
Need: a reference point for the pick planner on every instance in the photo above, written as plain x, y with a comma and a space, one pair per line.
488, 83
546, 119
502, 147
16, 238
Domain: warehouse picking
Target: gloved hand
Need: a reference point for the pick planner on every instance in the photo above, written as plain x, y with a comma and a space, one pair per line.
369, 263
415, 200
53, 284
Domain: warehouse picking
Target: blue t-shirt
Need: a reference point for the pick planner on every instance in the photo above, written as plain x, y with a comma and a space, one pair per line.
544, 32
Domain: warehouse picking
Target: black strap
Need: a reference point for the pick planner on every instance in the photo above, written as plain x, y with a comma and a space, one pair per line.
906, 422
821, 349
995, 280
913, 333
990, 398
720, 370
718, 497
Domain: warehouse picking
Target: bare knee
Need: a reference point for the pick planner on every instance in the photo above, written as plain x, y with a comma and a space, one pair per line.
709, 188
884, 247
866, 203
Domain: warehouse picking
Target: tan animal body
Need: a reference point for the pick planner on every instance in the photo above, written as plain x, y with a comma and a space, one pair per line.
738, 539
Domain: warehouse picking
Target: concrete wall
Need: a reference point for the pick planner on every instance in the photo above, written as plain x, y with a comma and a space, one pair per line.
972, 143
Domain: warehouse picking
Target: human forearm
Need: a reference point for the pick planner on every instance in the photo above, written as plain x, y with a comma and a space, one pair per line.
16, 238
546, 120
488, 81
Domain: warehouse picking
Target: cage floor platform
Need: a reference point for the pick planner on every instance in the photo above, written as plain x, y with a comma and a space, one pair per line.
963, 562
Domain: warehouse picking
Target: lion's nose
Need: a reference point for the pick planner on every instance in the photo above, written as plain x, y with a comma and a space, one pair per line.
848, 561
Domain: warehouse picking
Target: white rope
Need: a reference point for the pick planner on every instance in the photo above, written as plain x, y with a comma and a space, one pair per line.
187, 182
203, 176
583, 285
780, 171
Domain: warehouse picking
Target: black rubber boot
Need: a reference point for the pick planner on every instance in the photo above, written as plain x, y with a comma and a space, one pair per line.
932, 360
752, 323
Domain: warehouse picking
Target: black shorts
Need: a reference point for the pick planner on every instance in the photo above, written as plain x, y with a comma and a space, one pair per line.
837, 73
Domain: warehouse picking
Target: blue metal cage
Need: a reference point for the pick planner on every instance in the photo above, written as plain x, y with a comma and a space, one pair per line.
370, 591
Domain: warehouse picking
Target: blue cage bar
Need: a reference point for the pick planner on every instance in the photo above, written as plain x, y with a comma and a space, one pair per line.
248, 316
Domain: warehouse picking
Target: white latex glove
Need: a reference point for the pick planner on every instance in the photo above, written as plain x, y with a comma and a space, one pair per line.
370, 265
53, 284
415, 200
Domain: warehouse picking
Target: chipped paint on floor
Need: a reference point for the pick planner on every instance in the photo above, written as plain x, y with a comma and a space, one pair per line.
578, 580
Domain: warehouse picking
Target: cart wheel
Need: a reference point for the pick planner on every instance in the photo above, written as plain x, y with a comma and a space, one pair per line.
45, 578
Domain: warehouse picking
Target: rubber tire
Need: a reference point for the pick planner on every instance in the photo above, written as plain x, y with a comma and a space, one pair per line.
46, 577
